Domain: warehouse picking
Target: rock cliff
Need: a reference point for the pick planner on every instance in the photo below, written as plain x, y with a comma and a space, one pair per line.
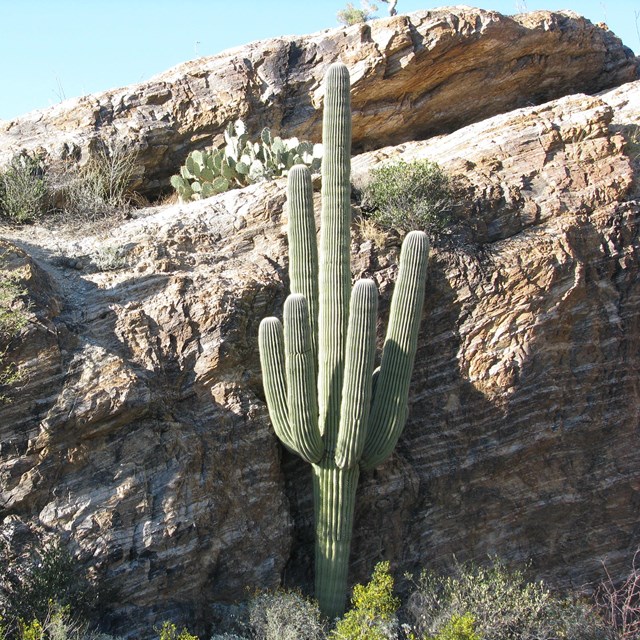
413, 76
139, 432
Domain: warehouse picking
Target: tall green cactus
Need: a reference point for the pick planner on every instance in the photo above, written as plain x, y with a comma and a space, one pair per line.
326, 402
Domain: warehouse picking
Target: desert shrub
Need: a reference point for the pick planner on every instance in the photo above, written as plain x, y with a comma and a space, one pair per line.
13, 317
619, 602
109, 258
169, 631
57, 625
350, 15
23, 191
284, 615
409, 195
100, 186
373, 612
458, 628
503, 604
34, 590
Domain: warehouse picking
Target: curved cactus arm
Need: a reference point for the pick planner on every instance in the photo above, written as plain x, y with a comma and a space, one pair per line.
272, 363
303, 247
301, 379
335, 271
389, 408
358, 368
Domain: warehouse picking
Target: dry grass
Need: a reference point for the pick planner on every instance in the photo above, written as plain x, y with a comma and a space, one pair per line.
368, 230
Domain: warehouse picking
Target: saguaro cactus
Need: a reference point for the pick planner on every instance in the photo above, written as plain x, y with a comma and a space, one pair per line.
326, 402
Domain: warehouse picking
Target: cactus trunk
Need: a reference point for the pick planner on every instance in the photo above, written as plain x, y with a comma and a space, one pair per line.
328, 345
334, 495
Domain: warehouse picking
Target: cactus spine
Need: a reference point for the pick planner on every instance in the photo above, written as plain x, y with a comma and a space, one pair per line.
326, 402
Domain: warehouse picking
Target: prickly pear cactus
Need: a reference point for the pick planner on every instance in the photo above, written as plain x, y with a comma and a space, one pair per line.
325, 400
241, 162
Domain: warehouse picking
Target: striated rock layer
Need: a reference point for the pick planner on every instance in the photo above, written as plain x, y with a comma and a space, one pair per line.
412, 76
140, 435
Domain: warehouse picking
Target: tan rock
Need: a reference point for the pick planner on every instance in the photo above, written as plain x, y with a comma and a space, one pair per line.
140, 433
413, 76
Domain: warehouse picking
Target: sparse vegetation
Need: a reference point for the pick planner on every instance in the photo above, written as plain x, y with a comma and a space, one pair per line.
13, 317
409, 195
373, 612
109, 258
100, 187
474, 603
619, 603
284, 615
350, 15
169, 631
40, 592
502, 604
29, 190
23, 190
458, 628
370, 230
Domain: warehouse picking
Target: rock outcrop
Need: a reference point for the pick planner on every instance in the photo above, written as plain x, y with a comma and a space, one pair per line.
413, 76
139, 432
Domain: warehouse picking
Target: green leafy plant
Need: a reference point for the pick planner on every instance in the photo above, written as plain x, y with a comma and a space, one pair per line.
284, 615
241, 162
458, 627
352, 418
23, 188
373, 612
31, 630
40, 587
350, 15
409, 195
169, 631
13, 317
503, 605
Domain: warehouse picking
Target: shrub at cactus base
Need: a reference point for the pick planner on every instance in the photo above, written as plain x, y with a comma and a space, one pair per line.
325, 400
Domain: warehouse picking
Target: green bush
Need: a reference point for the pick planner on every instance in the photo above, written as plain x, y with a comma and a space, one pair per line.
33, 591
503, 604
457, 628
350, 15
373, 612
284, 615
13, 317
409, 195
23, 189
169, 631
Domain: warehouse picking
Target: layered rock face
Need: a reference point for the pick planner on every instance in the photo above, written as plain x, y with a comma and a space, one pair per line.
412, 75
139, 432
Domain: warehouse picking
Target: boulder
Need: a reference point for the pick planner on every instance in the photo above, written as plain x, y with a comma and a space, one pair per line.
413, 76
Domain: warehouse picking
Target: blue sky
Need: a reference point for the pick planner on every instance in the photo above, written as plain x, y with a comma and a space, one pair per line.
56, 49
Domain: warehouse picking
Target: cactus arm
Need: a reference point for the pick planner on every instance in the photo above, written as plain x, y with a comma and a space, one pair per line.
358, 368
301, 379
335, 272
389, 410
303, 249
272, 363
